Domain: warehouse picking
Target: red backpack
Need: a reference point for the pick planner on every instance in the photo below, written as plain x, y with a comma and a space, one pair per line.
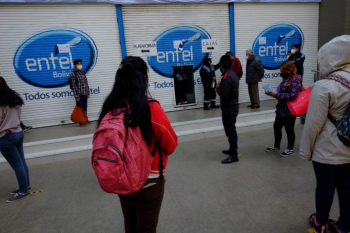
120, 157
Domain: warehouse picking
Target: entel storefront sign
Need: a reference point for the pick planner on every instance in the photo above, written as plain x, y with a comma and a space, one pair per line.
273, 44
39, 62
178, 46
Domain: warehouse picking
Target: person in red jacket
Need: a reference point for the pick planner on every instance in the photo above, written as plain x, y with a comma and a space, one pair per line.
141, 209
236, 66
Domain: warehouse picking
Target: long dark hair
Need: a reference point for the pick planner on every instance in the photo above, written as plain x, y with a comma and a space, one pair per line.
130, 91
9, 97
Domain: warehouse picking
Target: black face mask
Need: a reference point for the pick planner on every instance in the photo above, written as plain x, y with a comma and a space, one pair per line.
284, 75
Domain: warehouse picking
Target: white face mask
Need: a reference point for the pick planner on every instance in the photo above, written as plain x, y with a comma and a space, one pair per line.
79, 67
292, 51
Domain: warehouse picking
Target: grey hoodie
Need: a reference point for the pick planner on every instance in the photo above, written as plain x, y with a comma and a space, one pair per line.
319, 141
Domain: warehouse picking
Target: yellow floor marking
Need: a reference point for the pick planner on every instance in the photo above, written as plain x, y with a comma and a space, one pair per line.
311, 230
36, 192
239, 154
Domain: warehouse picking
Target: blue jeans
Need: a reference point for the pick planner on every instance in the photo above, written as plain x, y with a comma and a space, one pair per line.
83, 102
329, 178
229, 119
11, 147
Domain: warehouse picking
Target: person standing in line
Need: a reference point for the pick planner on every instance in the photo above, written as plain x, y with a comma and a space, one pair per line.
227, 89
180, 94
319, 141
298, 59
79, 85
11, 139
208, 77
289, 89
236, 66
141, 209
254, 74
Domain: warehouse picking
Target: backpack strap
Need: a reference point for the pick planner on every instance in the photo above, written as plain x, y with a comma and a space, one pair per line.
338, 78
160, 152
342, 80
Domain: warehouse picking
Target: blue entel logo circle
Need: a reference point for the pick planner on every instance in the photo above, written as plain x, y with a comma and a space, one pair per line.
39, 61
273, 44
178, 46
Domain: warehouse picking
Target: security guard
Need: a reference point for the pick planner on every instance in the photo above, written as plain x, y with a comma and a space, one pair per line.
208, 78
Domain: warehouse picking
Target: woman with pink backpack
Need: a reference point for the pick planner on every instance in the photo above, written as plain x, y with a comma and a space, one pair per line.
131, 147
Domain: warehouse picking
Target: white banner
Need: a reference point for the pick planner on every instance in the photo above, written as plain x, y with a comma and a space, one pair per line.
126, 2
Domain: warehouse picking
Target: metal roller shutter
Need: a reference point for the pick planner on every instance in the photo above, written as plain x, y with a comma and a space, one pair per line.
252, 19
145, 23
28, 54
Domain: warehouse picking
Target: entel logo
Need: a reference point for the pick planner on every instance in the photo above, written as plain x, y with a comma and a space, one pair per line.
273, 44
178, 46
38, 62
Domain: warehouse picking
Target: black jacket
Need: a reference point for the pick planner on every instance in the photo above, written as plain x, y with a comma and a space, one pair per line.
207, 77
298, 60
254, 70
228, 91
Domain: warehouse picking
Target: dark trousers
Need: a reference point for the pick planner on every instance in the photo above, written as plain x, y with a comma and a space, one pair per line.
209, 94
141, 210
288, 122
229, 119
253, 89
83, 102
329, 178
180, 91
11, 147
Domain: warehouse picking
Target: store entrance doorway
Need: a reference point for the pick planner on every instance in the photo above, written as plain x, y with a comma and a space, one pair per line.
184, 86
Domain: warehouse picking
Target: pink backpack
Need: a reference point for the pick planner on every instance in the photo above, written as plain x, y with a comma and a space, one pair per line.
120, 157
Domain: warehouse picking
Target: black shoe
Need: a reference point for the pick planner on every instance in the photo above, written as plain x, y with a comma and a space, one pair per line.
318, 228
17, 197
255, 107
249, 106
206, 106
230, 159
226, 152
332, 225
17, 191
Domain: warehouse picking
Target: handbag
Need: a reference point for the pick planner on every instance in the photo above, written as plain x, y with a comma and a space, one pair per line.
299, 106
79, 116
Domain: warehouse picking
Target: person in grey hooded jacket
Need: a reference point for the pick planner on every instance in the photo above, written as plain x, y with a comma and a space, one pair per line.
254, 74
319, 141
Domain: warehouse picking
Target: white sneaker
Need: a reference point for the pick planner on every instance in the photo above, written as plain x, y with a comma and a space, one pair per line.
287, 152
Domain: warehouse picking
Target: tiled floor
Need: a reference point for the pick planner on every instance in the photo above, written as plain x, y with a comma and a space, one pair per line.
261, 193
179, 116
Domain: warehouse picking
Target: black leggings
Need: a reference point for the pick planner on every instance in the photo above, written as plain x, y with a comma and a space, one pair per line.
288, 122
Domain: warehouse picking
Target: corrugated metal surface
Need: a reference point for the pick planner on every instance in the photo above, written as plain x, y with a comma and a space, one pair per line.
97, 21
146, 22
253, 18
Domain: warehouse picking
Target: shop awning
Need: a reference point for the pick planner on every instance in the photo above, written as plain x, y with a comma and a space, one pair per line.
126, 2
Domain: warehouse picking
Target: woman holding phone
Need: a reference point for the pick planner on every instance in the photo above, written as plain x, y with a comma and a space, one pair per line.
289, 89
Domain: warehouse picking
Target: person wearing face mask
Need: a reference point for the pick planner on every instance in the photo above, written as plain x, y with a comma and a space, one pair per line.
208, 77
79, 85
254, 74
297, 58
289, 89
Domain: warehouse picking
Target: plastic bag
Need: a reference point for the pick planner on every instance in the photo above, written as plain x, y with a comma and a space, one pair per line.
79, 116
300, 105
